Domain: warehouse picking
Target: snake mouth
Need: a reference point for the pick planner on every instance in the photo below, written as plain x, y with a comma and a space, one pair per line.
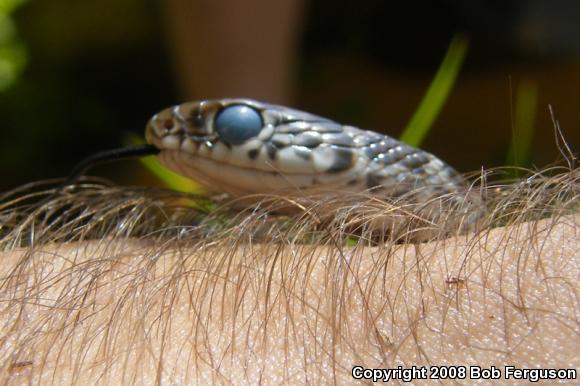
175, 142
235, 180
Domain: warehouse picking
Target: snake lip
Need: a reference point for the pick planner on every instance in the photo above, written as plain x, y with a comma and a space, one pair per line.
220, 176
193, 156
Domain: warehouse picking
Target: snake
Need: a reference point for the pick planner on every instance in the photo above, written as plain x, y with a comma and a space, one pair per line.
244, 147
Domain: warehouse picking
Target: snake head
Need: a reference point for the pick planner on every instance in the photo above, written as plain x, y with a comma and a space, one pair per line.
242, 146
230, 121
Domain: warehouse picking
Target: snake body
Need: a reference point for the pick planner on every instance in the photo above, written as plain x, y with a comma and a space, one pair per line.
243, 147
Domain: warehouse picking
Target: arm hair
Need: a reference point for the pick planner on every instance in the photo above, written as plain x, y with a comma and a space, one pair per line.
235, 309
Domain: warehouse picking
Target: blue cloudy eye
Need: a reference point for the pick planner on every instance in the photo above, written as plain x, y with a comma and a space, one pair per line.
238, 123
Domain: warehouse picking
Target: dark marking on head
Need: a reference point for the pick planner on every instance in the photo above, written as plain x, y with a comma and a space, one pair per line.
196, 118
308, 139
281, 140
302, 152
271, 151
370, 153
253, 153
343, 160
373, 180
352, 182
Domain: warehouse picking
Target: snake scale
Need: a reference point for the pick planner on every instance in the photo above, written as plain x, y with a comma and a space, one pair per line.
244, 147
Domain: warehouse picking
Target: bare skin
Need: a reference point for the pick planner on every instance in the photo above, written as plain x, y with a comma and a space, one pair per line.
138, 310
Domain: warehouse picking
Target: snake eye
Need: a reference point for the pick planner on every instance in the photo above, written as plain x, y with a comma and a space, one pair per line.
238, 123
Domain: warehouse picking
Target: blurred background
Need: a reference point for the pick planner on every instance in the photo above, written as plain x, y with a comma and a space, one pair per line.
77, 77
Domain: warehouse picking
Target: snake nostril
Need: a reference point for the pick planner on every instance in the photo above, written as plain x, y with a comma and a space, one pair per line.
168, 124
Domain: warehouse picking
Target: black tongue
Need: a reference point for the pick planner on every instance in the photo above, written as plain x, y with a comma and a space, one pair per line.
108, 156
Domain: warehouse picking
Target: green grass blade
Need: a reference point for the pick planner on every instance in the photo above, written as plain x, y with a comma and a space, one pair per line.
526, 103
437, 93
168, 177
13, 52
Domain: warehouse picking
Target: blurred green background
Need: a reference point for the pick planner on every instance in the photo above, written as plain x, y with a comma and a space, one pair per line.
77, 77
